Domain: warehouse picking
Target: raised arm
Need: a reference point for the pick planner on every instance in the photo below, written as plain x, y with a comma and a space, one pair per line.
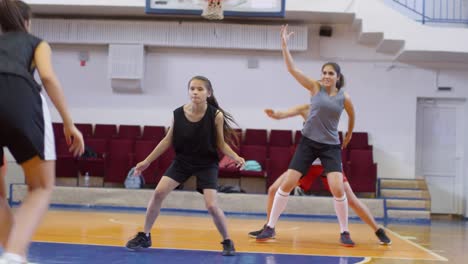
301, 110
43, 62
162, 146
222, 145
310, 84
349, 108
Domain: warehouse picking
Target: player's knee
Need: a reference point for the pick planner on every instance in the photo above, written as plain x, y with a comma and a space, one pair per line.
272, 190
211, 207
288, 185
337, 190
159, 195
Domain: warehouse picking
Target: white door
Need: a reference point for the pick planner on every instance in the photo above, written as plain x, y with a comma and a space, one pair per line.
439, 155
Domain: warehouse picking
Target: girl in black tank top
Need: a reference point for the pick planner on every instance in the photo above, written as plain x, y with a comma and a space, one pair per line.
26, 127
199, 129
195, 141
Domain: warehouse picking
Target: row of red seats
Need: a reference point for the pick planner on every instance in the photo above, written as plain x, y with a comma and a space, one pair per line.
358, 165
110, 131
284, 138
114, 159
119, 150
278, 138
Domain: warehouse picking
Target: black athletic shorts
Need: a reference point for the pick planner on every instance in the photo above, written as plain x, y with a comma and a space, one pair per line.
25, 124
308, 151
207, 175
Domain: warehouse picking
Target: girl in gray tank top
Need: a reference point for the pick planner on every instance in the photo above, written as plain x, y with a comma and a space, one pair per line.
321, 124
358, 207
320, 140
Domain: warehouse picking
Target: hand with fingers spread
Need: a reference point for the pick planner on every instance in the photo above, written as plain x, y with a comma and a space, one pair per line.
140, 167
74, 140
285, 34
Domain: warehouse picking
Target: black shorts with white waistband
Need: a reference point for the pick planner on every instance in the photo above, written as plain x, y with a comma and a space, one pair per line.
308, 151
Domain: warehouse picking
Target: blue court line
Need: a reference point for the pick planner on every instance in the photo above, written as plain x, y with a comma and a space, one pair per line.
55, 253
192, 211
386, 220
385, 212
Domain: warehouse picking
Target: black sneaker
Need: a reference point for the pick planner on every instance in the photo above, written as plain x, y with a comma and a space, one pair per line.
384, 239
228, 248
267, 233
139, 241
254, 234
345, 239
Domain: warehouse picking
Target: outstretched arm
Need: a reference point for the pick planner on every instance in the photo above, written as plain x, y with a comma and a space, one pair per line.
222, 145
349, 108
310, 84
162, 146
301, 110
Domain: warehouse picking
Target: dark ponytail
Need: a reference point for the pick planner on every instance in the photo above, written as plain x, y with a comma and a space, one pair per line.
230, 136
13, 15
341, 81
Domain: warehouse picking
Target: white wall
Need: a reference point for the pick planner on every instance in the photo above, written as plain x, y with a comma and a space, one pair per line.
384, 95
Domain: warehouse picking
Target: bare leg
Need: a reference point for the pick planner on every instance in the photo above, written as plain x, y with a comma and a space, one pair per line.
40, 178
360, 208
6, 216
216, 213
164, 187
272, 191
282, 195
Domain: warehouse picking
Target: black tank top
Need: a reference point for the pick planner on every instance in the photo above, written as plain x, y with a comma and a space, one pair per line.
195, 142
17, 54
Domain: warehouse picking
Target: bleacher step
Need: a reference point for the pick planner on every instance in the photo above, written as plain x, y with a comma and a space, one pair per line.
403, 184
403, 193
393, 214
400, 203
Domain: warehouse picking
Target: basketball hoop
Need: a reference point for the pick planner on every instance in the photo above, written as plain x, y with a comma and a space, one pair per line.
213, 10
83, 56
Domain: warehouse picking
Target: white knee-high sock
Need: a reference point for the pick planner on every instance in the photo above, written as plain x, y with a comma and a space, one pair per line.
279, 204
341, 209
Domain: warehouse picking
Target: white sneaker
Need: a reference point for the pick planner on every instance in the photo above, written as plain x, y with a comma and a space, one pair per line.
3, 260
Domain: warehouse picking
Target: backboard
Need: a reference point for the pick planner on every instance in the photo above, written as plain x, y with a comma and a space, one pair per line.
232, 8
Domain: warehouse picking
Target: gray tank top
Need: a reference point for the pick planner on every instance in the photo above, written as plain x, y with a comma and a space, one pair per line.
322, 122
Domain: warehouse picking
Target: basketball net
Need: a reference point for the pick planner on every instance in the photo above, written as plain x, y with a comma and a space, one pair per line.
213, 10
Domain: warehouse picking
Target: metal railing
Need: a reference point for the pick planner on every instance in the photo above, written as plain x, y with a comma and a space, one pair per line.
438, 11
